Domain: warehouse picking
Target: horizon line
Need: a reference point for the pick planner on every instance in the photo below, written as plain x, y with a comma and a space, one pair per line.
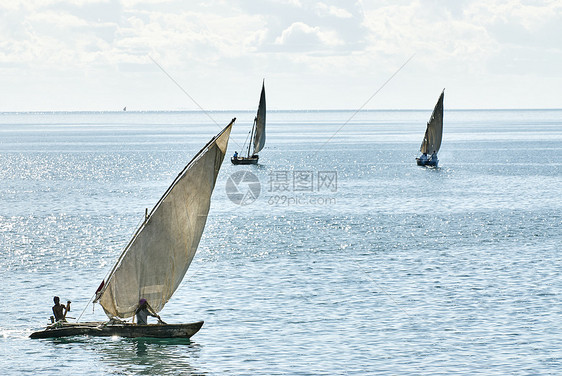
271, 110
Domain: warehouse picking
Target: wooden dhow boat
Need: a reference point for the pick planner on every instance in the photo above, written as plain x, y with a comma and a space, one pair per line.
432, 138
118, 329
155, 260
257, 136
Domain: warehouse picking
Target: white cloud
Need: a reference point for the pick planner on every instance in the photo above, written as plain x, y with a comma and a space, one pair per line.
436, 34
295, 3
331, 10
301, 36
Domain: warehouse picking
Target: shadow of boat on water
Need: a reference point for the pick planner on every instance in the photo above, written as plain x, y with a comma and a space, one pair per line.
141, 356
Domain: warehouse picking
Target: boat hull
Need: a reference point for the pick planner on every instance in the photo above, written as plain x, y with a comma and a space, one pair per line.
245, 160
102, 329
428, 163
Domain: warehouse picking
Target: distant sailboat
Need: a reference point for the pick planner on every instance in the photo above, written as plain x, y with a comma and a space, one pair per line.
433, 135
257, 135
125, 108
155, 260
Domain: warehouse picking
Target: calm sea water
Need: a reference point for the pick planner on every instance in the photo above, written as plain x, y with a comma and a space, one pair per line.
352, 260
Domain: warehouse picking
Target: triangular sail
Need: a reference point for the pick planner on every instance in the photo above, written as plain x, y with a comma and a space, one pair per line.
434, 132
259, 123
156, 259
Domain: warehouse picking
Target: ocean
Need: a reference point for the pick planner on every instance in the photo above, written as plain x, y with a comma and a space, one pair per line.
336, 255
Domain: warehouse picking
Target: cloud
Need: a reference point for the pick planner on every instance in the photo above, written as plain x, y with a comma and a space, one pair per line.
516, 23
74, 33
467, 34
418, 28
330, 42
302, 37
331, 10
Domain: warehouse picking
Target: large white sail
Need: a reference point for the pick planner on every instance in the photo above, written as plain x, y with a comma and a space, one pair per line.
259, 132
156, 259
434, 132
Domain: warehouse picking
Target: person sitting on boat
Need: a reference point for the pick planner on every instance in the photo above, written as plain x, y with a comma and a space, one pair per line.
235, 155
60, 310
423, 158
433, 156
143, 311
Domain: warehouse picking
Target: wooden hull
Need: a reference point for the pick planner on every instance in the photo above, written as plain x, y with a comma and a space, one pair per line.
245, 160
429, 163
103, 329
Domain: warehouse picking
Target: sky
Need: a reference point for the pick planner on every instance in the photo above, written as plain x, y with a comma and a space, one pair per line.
74, 55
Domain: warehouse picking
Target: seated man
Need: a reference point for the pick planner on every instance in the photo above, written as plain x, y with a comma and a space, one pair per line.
60, 310
434, 157
143, 311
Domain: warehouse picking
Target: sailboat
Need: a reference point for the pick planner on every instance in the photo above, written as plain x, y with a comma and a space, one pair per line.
257, 135
433, 135
155, 260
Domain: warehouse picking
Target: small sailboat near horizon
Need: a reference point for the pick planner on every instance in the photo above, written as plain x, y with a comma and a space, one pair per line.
154, 262
432, 138
257, 135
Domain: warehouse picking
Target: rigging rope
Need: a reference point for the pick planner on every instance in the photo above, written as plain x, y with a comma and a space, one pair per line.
244, 146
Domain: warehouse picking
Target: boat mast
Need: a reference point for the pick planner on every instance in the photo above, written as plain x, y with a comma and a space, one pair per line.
251, 138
